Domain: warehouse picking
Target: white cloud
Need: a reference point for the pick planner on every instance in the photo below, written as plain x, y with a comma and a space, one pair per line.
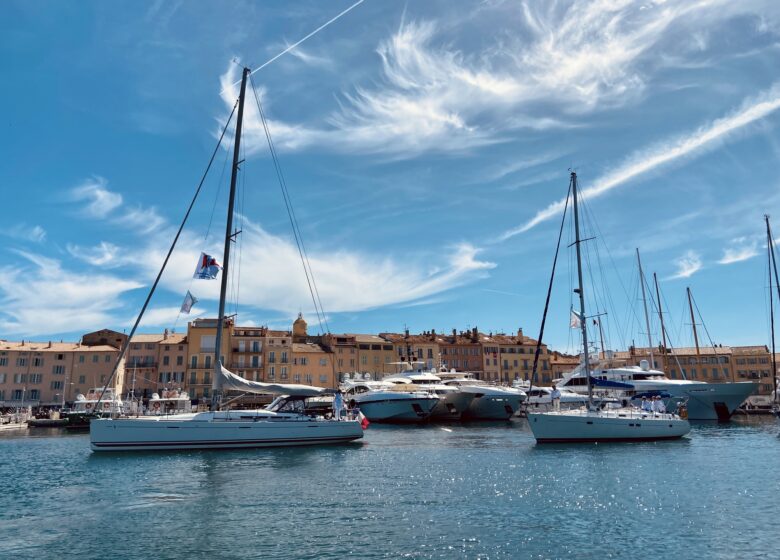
22, 231
104, 255
667, 152
272, 276
565, 59
687, 265
46, 298
741, 249
99, 200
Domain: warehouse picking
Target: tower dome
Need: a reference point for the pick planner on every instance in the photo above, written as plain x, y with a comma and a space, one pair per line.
299, 327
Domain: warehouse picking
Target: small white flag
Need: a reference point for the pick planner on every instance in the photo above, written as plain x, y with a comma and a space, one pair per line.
189, 301
575, 322
207, 268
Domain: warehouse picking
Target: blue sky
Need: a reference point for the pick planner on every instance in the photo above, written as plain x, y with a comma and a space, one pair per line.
426, 148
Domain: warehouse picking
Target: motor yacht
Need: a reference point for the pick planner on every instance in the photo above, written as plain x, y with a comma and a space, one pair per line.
491, 402
705, 401
382, 401
453, 402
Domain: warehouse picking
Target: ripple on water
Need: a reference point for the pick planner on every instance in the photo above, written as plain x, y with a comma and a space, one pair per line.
454, 491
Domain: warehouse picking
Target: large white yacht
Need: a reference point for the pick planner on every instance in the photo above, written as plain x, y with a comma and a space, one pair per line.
705, 401
453, 402
381, 401
284, 422
491, 402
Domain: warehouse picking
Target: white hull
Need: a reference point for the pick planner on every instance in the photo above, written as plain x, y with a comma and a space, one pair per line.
451, 406
493, 407
622, 425
204, 431
713, 401
401, 408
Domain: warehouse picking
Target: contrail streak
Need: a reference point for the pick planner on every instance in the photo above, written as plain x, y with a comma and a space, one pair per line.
671, 150
291, 47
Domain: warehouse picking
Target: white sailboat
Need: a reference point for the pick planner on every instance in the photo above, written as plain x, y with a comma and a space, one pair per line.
593, 424
283, 423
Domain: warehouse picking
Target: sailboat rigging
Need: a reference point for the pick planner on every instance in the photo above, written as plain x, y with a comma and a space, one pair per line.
285, 422
592, 423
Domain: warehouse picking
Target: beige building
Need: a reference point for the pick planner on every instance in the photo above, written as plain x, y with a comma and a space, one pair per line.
155, 362
50, 373
462, 351
414, 347
512, 357
360, 353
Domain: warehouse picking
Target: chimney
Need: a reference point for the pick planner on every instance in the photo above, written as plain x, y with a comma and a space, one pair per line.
165, 334
406, 333
433, 334
454, 333
49, 346
474, 334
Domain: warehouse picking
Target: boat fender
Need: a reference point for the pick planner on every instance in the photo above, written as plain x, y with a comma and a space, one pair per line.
88, 406
156, 406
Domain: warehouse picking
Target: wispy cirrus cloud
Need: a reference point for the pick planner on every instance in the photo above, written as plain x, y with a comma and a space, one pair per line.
23, 232
666, 152
687, 265
565, 60
99, 201
104, 254
741, 249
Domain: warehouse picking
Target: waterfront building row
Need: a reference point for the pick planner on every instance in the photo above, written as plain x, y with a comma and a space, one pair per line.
51, 373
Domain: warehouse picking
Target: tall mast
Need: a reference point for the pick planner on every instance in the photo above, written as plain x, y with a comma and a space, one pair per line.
647, 316
661, 317
770, 255
693, 321
216, 386
583, 322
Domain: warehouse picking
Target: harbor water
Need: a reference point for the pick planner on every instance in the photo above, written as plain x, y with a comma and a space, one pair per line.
456, 491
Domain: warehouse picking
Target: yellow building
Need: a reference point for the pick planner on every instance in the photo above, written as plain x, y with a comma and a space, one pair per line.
508, 358
201, 346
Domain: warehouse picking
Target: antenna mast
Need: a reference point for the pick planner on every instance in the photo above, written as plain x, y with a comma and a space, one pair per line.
647, 316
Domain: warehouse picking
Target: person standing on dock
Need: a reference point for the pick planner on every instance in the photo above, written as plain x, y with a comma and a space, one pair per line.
555, 395
338, 404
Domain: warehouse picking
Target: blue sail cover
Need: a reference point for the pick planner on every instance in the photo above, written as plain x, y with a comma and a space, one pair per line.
610, 384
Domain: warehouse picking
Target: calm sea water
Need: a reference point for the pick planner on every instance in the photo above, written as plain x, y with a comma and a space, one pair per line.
471, 491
